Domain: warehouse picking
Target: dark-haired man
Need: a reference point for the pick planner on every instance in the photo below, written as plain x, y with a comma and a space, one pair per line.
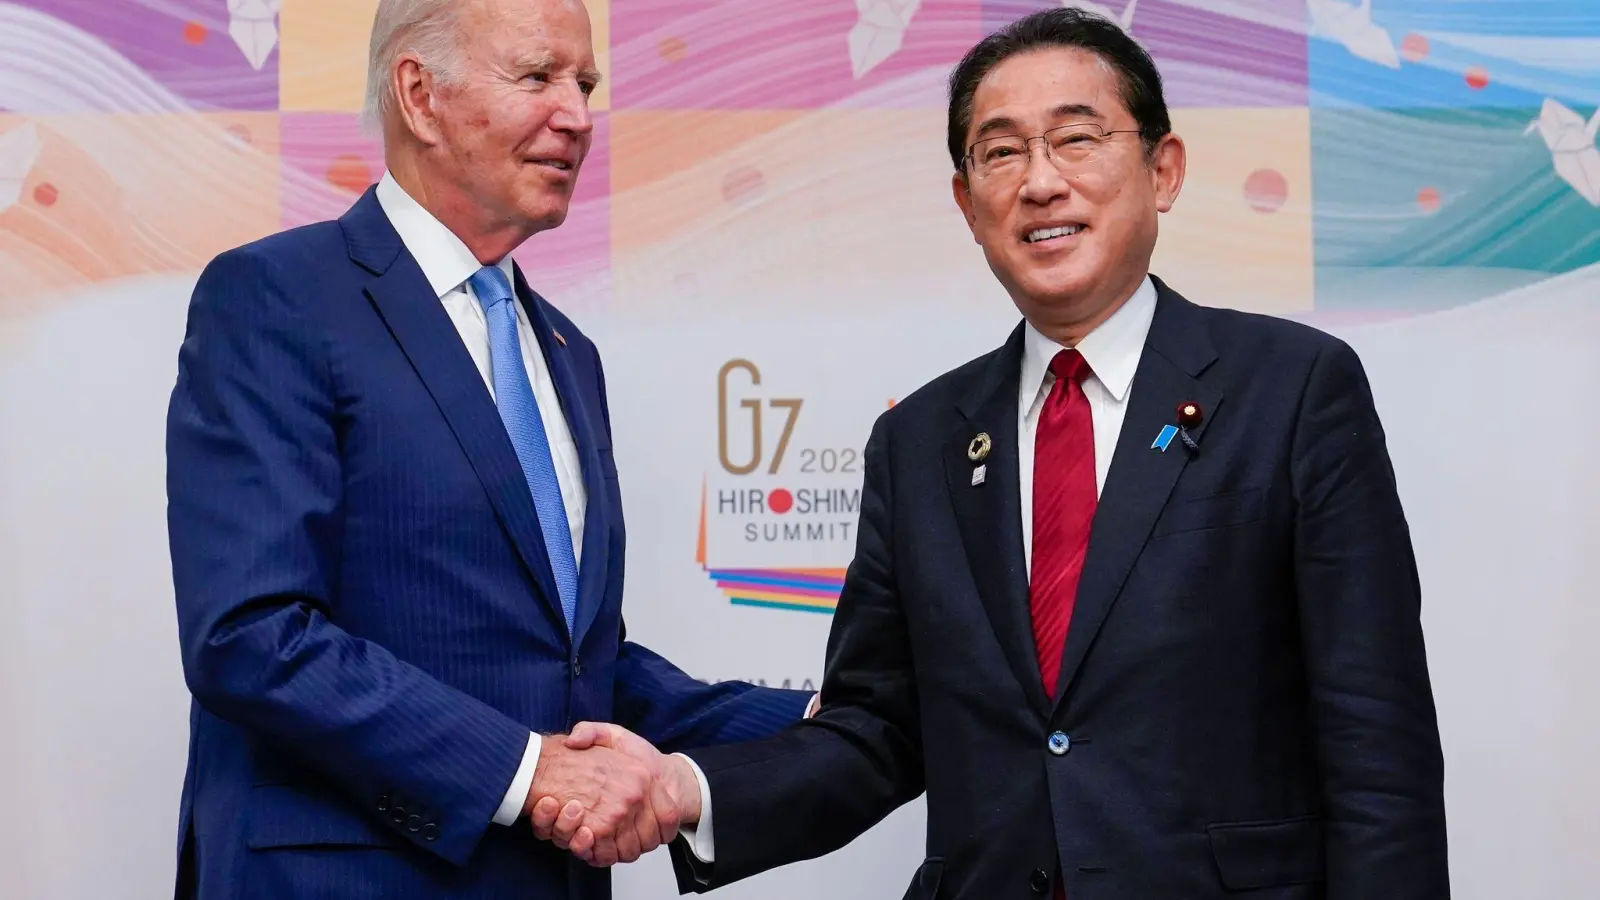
1134, 598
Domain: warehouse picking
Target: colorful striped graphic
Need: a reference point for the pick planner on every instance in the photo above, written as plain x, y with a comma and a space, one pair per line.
796, 589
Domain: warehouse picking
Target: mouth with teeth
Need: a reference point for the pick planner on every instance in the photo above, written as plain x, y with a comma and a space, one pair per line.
560, 165
1053, 234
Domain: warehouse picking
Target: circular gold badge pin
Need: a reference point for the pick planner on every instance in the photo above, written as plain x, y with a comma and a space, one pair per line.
978, 450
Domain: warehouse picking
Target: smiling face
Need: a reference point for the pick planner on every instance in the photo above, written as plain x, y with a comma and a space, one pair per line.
1070, 239
504, 140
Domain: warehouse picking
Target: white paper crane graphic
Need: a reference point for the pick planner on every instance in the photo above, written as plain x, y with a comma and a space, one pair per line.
878, 33
1125, 21
1572, 147
1352, 26
19, 152
253, 25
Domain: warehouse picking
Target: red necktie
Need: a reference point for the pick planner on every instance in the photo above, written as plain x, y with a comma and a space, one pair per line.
1064, 498
1063, 509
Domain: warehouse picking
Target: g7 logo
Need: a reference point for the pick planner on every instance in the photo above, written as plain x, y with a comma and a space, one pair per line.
753, 404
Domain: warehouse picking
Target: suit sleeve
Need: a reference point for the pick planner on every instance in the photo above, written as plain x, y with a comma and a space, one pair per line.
1360, 607
674, 711
671, 709
254, 511
818, 785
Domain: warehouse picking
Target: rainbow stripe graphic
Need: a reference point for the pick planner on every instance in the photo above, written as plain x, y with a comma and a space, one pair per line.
800, 590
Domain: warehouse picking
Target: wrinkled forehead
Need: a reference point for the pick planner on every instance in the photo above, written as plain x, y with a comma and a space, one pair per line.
553, 33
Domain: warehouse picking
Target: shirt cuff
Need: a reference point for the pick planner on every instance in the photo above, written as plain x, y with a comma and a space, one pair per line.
699, 835
814, 706
511, 807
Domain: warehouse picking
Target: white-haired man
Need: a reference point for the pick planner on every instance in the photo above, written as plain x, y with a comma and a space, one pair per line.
394, 517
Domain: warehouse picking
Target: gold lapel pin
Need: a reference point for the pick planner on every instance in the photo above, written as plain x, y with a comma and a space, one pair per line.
978, 450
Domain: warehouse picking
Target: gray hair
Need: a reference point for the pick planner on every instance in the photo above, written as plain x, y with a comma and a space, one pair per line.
424, 27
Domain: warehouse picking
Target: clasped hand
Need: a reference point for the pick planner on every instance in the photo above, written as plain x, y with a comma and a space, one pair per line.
608, 795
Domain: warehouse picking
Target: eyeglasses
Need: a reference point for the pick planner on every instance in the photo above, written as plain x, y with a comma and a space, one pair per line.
1072, 148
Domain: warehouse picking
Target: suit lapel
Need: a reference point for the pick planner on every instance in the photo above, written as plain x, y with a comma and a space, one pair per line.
1140, 479
423, 330
989, 515
586, 431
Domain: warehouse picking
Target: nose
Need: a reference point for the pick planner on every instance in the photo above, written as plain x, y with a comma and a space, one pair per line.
1043, 182
571, 114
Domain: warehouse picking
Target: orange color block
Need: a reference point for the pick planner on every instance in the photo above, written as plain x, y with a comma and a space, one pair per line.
1240, 233
118, 196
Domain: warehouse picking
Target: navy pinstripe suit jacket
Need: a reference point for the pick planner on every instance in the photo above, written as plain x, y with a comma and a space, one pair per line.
367, 616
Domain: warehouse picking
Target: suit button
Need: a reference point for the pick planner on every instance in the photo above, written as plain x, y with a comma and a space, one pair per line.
383, 803
414, 824
1039, 882
1060, 744
397, 814
577, 670
430, 832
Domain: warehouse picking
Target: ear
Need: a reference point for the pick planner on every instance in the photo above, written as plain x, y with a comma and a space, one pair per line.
1167, 166
417, 99
963, 195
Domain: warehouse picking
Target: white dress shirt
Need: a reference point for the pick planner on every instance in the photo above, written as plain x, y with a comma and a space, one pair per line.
1112, 352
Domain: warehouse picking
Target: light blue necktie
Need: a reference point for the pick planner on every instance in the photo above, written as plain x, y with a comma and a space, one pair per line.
520, 413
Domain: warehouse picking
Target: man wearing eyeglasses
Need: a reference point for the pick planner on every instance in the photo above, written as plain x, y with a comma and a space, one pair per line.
1134, 599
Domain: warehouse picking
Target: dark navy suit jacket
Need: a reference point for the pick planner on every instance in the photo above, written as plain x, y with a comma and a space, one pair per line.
368, 619
1245, 707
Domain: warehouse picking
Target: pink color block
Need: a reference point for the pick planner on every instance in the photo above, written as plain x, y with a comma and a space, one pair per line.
773, 54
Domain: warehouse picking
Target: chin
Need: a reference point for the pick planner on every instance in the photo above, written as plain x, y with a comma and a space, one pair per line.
546, 216
1056, 285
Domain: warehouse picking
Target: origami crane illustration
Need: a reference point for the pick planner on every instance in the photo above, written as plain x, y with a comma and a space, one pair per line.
878, 34
1572, 147
1352, 26
1125, 20
19, 152
253, 24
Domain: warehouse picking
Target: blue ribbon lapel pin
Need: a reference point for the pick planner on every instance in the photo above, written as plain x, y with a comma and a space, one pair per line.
1168, 432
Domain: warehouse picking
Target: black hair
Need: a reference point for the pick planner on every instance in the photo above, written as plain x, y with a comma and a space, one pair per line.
1066, 27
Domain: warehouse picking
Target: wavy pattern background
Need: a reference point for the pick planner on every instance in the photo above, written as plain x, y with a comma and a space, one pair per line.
1344, 164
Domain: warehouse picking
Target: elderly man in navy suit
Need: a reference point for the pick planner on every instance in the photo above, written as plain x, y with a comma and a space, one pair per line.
395, 521
1134, 600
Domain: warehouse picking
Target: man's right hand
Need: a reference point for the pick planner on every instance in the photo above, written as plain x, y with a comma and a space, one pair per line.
625, 812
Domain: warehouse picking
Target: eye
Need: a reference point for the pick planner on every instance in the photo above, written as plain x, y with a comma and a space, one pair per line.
1002, 149
588, 87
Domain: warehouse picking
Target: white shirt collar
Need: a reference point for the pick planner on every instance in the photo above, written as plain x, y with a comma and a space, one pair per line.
1112, 350
444, 258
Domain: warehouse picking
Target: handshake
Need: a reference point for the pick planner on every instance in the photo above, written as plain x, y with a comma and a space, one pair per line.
608, 795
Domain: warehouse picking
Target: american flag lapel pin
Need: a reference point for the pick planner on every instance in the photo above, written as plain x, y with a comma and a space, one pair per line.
559, 339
